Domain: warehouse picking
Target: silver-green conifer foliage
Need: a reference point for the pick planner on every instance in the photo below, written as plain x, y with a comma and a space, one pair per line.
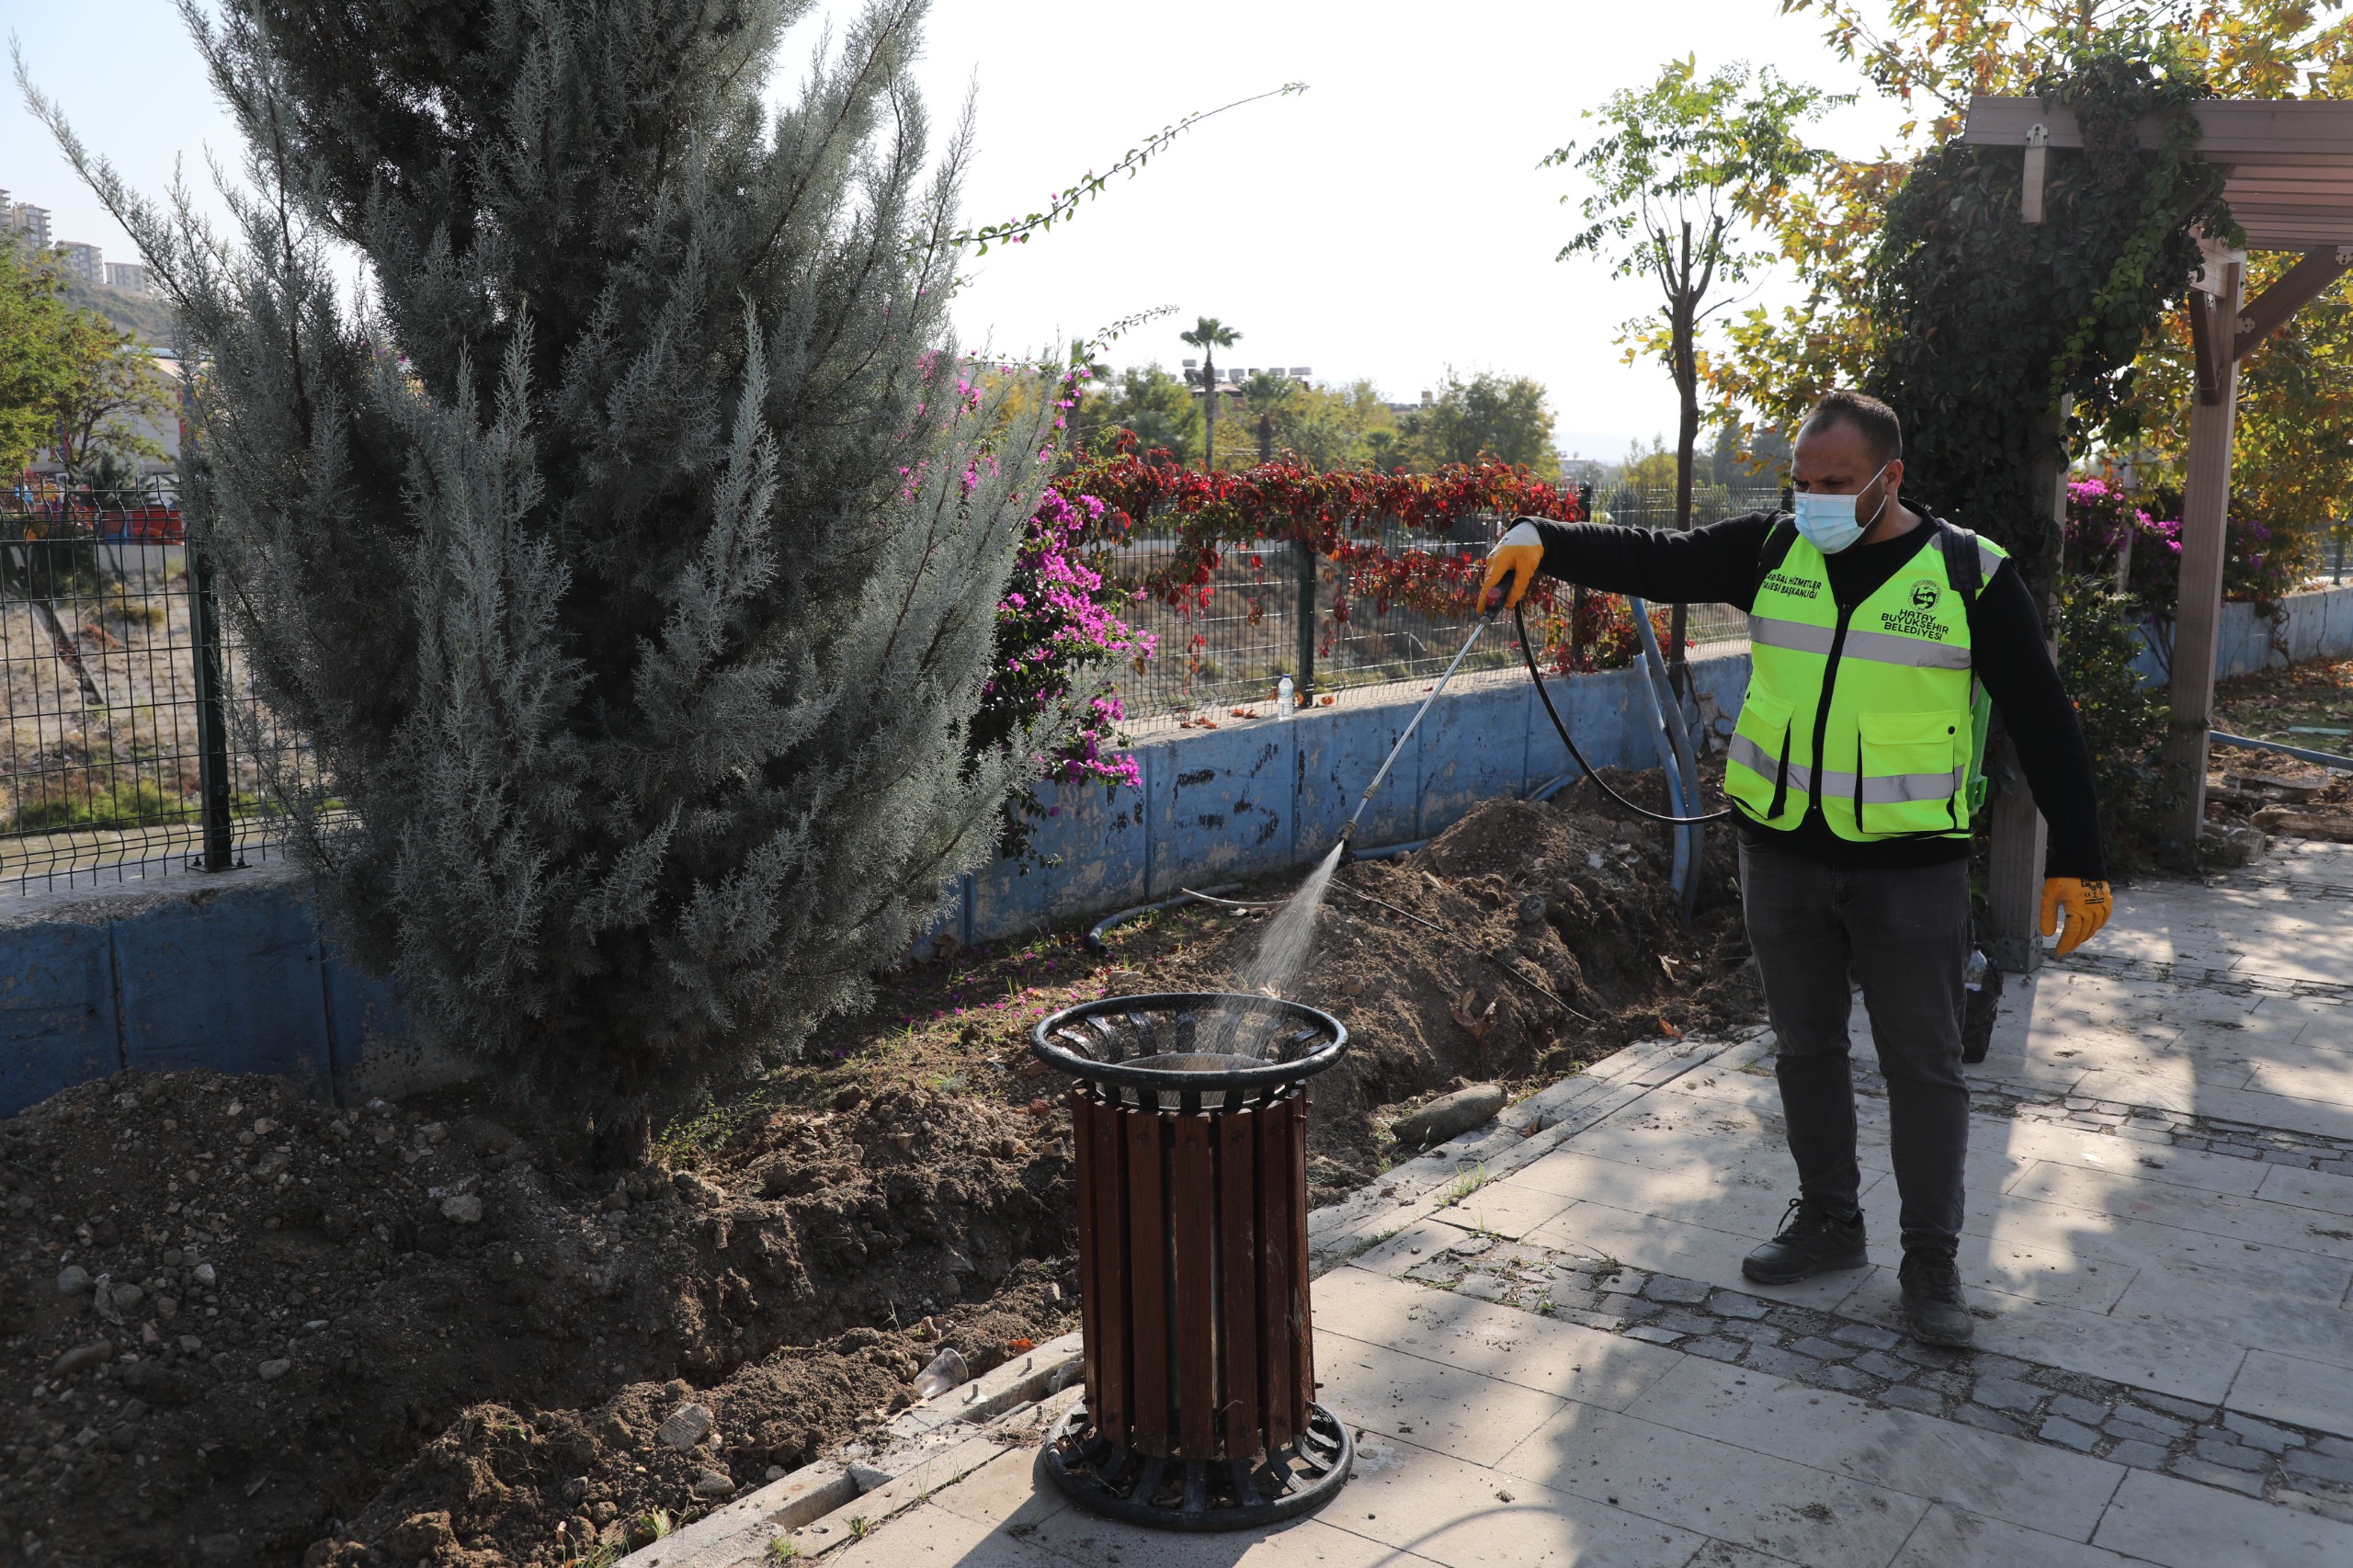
631, 553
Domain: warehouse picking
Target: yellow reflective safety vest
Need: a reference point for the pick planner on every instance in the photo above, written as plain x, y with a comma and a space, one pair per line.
1872, 710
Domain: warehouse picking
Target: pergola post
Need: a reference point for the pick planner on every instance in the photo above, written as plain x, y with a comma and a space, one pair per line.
2019, 836
2204, 517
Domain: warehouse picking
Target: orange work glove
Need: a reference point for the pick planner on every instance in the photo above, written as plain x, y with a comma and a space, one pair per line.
2087, 905
1518, 555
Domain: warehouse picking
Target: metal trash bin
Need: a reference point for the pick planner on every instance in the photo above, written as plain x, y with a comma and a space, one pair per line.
1192, 1254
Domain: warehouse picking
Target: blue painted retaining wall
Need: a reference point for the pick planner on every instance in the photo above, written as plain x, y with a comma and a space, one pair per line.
2313, 625
1259, 797
230, 971
234, 971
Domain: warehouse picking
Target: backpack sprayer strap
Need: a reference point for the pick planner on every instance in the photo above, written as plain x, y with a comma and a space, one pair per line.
1965, 569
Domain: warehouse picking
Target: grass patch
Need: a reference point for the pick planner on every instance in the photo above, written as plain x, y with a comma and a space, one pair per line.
51, 805
1465, 1185
132, 612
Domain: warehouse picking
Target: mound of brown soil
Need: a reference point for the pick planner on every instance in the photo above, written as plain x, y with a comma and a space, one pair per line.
252, 1330
240, 1318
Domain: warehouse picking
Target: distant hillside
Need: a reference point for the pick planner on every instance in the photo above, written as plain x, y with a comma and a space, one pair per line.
150, 318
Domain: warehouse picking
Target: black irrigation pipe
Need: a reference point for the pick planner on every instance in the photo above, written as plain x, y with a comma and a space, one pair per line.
1093, 940
1235, 903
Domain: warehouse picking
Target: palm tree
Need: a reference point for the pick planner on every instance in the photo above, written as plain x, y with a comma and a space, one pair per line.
1083, 356
1210, 333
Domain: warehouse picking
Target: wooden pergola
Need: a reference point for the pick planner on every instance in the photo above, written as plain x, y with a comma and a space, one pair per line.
2288, 180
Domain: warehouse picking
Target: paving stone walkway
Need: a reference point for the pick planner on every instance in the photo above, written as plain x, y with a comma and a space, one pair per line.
1544, 1339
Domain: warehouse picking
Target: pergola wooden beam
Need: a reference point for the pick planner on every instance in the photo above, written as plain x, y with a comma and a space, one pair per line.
2297, 287
2290, 164
2288, 178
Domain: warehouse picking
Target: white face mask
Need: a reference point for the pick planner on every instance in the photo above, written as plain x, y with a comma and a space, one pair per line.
1829, 523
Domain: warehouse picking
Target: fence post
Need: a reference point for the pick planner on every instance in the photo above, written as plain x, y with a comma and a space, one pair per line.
212, 713
1306, 681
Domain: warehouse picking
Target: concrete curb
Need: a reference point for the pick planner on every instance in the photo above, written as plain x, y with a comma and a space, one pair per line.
923, 1445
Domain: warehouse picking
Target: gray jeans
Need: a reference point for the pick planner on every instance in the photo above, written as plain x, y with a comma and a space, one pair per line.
1904, 937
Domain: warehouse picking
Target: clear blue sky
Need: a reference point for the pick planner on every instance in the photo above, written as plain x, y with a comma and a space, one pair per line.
1388, 223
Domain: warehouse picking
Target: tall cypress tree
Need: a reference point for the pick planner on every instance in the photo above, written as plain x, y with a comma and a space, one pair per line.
630, 553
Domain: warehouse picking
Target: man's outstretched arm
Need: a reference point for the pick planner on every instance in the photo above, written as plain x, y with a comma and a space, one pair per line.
1716, 565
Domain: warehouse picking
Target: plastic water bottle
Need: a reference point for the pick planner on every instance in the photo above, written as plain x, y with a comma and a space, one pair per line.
1973, 977
1283, 699
946, 1371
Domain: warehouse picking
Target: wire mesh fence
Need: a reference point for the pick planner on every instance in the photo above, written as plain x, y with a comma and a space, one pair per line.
133, 745
1234, 643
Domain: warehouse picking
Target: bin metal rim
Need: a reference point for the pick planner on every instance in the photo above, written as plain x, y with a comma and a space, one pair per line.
1255, 1074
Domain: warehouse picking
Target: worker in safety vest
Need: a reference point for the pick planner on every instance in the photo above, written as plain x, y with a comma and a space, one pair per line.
1870, 627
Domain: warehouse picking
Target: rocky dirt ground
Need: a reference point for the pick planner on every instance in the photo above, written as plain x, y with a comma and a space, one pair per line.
244, 1329
2308, 705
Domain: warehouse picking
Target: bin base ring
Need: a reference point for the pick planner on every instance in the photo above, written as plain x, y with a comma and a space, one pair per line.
1213, 1495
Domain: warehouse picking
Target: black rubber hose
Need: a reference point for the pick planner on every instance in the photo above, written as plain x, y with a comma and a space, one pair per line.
1527, 652
1093, 941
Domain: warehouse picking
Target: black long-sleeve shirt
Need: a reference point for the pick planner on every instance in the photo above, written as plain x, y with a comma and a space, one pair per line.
1719, 563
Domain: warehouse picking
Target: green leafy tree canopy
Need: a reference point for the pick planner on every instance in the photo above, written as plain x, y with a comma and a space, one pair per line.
1932, 56
1985, 322
1160, 411
1679, 171
1491, 418
70, 380
1335, 426
34, 365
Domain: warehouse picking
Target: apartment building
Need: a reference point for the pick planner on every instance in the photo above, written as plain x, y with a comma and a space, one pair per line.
82, 261
25, 222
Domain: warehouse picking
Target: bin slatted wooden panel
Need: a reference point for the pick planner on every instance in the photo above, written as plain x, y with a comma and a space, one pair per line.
1193, 1274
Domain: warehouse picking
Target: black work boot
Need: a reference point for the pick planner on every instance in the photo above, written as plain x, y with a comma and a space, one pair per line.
1933, 1307
1812, 1240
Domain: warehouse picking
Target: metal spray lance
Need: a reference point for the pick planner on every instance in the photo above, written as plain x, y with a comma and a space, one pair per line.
1486, 618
